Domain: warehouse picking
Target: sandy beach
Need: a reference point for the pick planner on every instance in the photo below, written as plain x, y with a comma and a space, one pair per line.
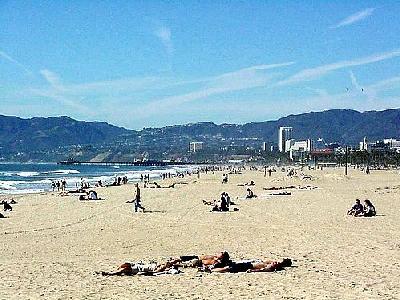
51, 246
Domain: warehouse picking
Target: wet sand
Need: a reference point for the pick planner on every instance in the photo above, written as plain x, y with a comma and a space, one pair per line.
52, 245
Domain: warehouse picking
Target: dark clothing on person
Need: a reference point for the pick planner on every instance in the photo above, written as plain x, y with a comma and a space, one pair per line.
224, 204
240, 267
188, 257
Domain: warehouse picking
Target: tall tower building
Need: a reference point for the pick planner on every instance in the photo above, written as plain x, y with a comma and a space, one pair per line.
285, 134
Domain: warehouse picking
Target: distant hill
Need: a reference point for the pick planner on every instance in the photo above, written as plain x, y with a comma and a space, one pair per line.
17, 134
43, 136
336, 125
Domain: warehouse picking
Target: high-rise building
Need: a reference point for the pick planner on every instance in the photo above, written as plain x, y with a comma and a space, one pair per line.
265, 146
285, 134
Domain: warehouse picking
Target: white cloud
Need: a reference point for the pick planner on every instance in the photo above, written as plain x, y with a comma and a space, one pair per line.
354, 81
243, 79
9, 58
57, 91
164, 34
357, 17
313, 73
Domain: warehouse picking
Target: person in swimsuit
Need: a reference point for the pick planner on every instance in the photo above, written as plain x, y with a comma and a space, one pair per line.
130, 269
220, 259
254, 266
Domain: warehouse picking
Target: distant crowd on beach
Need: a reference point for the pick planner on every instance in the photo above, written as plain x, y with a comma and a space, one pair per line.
86, 191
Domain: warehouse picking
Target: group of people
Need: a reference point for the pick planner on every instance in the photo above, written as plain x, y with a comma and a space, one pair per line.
359, 210
218, 263
60, 185
222, 205
89, 195
119, 180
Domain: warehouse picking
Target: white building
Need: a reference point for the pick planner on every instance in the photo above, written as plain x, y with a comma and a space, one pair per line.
195, 146
364, 145
393, 144
299, 148
285, 134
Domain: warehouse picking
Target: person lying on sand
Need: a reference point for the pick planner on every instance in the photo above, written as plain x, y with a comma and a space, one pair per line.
357, 209
251, 183
281, 194
130, 269
253, 266
156, 185
280, 188
220, 259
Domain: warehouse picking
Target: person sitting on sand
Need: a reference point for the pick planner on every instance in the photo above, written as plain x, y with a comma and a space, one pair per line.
225, 178
223, 206
92, 195
250, 194
356, 210
253, 266
369, 209
6, 206
13, 201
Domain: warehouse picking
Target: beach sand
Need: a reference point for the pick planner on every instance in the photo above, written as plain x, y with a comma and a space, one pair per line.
51, 246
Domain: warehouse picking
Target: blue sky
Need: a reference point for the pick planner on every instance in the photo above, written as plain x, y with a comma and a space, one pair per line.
155, 63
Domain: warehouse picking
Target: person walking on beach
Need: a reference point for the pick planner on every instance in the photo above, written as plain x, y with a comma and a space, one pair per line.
137, 202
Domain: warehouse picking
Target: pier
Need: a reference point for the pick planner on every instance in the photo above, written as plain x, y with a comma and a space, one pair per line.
148, 163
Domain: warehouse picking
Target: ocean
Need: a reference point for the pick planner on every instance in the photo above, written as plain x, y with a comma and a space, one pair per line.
17, 178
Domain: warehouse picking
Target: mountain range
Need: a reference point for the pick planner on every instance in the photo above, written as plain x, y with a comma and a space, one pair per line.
46, 135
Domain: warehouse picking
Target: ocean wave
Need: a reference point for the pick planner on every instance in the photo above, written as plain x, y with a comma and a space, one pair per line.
27, 174
8, 185
21, 191
65, 172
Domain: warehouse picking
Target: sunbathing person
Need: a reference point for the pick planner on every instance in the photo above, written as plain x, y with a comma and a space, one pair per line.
281, 194
369, 209
220, 260
356, 210
251, 183
130, 269
253, 266
280, 188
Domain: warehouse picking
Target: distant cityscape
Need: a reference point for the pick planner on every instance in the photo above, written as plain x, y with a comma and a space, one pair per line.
311, 137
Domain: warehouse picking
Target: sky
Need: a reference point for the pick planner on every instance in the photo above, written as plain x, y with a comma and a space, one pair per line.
155, 63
